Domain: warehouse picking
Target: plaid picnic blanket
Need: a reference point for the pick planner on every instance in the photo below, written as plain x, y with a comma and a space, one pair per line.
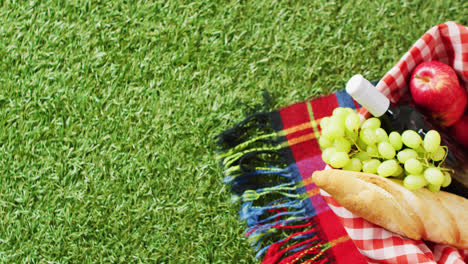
269, 159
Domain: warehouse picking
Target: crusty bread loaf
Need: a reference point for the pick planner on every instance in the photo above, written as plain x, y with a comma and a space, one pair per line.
421, 214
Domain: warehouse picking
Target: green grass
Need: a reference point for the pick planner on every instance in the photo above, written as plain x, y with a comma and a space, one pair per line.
108, 112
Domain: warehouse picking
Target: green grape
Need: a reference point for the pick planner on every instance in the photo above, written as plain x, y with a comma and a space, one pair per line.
339, 159
386, 150
338, 120
395, 140
324, 142
414, 182
447, 179
433, 187
434, 176
342, 145
411, 139
326, 135
372, 150
340, 112
420, 150
350, 110
439, 154
353, 165
399, 172
431, 141
324, 122
413, 166
353, 135
387, 168
372, 123
327, 154
406, 154
422, 156
352, 122
370, 166
381, 135
361, 144
333, 131
363, 156
368, 136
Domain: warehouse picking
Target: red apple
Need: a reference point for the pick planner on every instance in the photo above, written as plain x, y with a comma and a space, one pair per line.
435, 88
460, 131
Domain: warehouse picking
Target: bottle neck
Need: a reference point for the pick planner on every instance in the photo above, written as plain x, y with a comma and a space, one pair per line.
391, 111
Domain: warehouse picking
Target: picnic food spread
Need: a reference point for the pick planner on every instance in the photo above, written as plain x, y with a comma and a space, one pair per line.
371, 150
389, 169
274, 160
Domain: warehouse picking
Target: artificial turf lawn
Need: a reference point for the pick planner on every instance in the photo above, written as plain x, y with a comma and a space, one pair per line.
108, 112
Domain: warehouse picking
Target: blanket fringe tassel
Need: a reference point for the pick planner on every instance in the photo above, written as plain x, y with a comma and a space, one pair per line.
272, 203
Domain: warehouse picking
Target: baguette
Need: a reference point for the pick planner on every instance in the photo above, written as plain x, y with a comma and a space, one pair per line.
439, 217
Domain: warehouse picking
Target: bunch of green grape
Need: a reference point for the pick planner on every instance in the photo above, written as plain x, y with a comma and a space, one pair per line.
349, 145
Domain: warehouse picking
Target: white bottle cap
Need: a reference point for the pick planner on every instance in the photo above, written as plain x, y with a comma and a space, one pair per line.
367, 95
